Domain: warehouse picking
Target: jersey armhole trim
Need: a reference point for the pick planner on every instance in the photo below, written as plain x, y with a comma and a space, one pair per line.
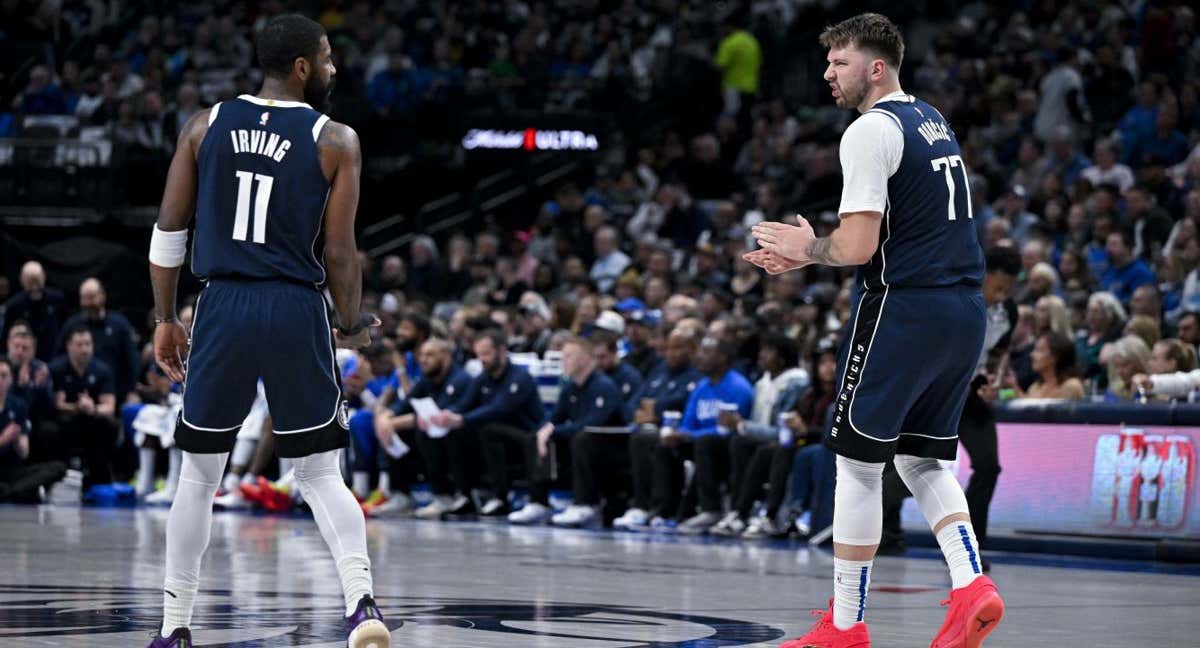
212, 115
889, 114
316, 130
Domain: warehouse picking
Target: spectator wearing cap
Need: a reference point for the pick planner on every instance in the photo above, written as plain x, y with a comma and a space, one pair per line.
40, 306
753, 455
610, 262
85, 400
112, 336
503, 409
639, 328
1125, 271
666, 389
20, 481
703, 417
627, 379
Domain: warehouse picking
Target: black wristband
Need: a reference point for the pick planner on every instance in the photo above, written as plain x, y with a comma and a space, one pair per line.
364, 320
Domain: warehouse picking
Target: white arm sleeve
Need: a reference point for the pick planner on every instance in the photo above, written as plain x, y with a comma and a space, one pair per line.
1176, 384
870, 154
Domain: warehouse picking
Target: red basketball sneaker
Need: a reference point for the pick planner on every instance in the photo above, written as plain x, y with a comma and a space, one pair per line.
975, 610
824, 634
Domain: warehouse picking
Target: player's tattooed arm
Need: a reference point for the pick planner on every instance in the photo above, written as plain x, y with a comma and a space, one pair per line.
822, 251
341, 160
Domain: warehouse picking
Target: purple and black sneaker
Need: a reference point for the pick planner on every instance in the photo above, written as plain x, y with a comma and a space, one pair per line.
365, 628
180, 638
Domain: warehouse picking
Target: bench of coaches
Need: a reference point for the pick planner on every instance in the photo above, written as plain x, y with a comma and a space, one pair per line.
503, 409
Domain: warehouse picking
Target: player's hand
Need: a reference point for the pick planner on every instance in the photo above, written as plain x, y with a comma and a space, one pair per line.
1142, 382
787, 241
360, 339
171, 348
988, 392
771, 262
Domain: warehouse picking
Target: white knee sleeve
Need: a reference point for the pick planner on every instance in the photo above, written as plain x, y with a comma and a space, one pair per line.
933, 485
858, 503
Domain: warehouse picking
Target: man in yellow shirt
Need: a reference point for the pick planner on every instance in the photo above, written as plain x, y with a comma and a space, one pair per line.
739, 58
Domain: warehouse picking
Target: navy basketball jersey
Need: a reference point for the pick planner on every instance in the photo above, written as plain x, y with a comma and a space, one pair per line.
928, 236
260, 195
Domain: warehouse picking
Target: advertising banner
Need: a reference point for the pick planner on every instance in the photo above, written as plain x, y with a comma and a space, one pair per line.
1091, 479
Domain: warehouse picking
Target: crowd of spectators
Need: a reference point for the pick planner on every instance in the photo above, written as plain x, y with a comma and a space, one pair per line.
1079, 127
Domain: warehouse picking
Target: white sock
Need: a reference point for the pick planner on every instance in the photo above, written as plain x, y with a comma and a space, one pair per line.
361, 484
385, 484
961, 549
851, 582
189, 526
145, 471
285, 467
174, 466
340, 519
243, 451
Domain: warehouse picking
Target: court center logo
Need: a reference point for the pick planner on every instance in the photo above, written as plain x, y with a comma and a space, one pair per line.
127, 616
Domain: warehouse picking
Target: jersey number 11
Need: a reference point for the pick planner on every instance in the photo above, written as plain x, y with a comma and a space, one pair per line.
262, 200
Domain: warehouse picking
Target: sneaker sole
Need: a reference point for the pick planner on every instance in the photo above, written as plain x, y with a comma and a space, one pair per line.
983, 619
370, 634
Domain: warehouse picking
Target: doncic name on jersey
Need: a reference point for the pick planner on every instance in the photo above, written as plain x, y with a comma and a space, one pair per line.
260, 141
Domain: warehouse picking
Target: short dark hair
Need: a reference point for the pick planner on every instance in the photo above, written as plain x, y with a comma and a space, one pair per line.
1192, 314
867, 31
76, 330
1003, 259
419, 322
286, 38
1125, 234
785, 346
604, 338
21, 328
498, 338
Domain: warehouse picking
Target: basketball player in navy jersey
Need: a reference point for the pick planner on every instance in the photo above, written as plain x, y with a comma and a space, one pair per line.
919, 319
264, 175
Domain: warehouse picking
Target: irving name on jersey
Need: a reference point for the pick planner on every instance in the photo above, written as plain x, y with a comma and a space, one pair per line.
260, 142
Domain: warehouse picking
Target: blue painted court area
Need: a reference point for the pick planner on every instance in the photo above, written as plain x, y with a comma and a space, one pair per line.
80, 577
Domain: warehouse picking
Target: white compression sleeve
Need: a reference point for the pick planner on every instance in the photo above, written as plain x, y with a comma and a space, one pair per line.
341, 522
933, 486
858, 503
188, 528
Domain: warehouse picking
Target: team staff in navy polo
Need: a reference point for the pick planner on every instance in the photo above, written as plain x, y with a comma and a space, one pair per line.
84, 396
504, 409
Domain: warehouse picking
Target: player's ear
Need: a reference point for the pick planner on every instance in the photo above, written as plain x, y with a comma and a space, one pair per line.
302, 68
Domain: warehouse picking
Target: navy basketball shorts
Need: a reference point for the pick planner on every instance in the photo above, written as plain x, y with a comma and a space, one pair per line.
907, 361
273, 330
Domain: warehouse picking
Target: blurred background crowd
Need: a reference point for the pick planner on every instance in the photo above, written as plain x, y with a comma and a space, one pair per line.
1079, 124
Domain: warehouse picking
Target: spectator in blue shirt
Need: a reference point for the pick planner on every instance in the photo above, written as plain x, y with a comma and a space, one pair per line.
447, 385
589, 399
503, 408
1125, 272
720, 385
1165, 144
